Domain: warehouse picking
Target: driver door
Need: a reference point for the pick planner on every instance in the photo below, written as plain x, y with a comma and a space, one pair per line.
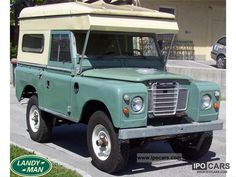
58, 77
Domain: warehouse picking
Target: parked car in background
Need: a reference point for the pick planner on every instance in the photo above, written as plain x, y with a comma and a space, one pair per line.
218, 52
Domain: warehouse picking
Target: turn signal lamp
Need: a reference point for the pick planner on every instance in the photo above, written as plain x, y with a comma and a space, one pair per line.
216, 106
126, 111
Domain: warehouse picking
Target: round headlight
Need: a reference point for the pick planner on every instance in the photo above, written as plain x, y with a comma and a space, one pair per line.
137, 104
206, 101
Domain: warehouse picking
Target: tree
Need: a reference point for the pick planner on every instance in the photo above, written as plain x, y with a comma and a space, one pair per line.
16, 8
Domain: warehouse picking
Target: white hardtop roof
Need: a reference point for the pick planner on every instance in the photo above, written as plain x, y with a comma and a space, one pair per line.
97, 8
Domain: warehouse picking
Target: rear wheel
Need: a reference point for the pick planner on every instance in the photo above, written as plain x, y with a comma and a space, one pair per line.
39, 123
193, 146
221, 62
107, 153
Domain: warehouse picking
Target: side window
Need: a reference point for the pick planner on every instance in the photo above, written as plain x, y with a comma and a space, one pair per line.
60, 48
222, 41
33, 43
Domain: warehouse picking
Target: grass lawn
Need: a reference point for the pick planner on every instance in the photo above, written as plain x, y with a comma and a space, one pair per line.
57, 170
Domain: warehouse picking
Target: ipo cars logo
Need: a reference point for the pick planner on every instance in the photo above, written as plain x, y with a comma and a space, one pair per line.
30, 165
211, 167
199, 166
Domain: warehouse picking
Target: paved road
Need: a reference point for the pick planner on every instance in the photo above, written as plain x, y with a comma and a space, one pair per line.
68, 147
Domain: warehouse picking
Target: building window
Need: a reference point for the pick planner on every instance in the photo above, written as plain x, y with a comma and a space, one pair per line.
170, 10
33, 43
60, 48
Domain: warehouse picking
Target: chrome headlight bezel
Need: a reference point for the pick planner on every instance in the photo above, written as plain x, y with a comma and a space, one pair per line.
137, 104
206, 101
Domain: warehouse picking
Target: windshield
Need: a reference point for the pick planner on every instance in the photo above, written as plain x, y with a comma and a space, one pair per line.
118, 44
109, 50
165, 43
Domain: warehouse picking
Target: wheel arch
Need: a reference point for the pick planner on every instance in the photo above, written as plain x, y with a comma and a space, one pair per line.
92, 106
220, 54
28, 91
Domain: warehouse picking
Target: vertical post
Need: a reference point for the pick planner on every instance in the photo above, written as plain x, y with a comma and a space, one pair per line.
84, 50
168, 53
13, 65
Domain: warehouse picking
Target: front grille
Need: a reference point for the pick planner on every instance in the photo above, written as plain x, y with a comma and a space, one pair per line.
182, 99
166, 98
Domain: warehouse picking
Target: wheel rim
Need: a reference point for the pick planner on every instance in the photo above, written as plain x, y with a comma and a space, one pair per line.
101, 142
34, 118
220, 62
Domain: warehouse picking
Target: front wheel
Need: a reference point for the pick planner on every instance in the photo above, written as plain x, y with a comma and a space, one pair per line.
193, 146
107, 153
39, 123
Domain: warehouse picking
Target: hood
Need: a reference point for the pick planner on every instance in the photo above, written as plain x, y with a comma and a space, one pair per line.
132, 74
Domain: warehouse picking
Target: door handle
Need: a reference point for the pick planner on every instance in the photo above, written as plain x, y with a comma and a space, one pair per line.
76, 88
48, 84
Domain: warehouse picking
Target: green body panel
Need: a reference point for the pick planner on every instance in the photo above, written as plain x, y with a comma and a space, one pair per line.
197, 90
132, 74
56, 95
28, 76
108, 89
111, 94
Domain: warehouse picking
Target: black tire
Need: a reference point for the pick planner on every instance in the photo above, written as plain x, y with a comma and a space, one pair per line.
196, 145
221, 62
119, 154
44, 132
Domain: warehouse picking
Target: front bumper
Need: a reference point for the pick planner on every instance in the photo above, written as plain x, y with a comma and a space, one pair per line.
153, 131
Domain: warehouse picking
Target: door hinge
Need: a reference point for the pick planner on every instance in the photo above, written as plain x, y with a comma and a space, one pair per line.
68, 110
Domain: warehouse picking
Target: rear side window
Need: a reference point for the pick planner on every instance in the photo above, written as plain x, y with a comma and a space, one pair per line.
33, 43
60, 48
222, 41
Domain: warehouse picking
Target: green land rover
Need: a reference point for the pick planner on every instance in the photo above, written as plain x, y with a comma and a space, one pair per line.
104, 65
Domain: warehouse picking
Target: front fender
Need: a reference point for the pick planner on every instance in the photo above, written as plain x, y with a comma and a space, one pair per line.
110, 93
195, 111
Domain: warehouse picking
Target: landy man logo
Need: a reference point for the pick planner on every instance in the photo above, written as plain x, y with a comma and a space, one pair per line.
30, 165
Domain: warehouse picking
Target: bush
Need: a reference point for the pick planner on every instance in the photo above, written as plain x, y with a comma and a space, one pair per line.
13, 50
